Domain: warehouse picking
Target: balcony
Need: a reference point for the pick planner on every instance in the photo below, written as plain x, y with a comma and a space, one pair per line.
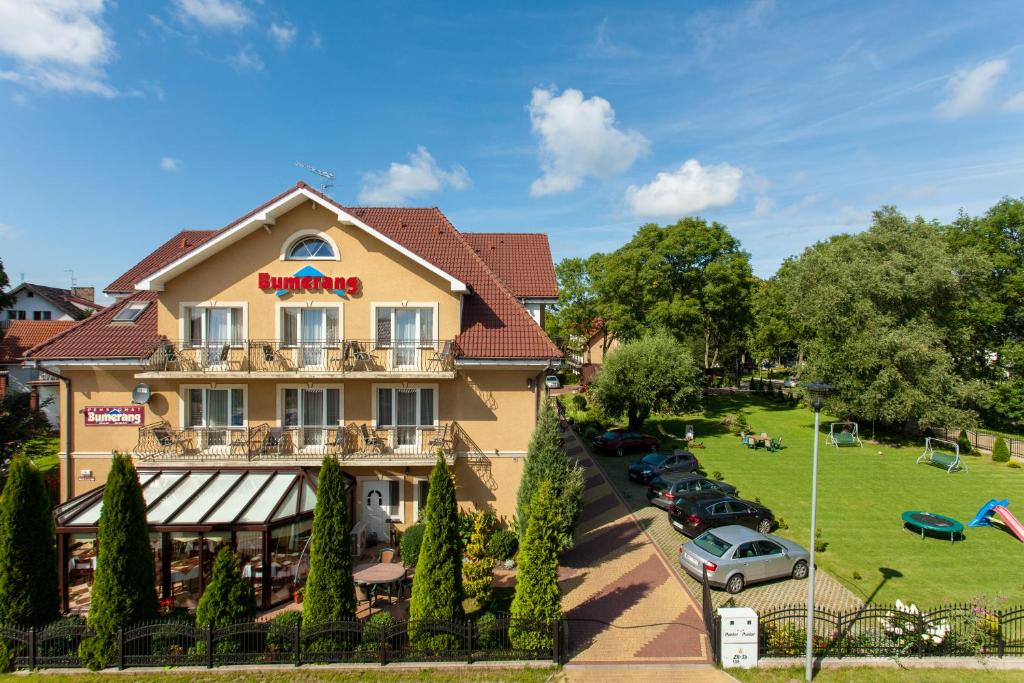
352, 444
356, 358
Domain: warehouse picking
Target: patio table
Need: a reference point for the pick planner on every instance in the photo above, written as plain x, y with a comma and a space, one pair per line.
388, 573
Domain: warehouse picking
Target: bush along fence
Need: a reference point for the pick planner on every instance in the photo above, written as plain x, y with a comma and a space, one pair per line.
982, 440
897, 631
284, 640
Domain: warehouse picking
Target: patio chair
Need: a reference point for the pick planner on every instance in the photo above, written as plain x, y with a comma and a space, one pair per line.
775, 445
170, 440
441, 359
439, 440
366, 593
272, 358
387, 555
371, 441
358, 355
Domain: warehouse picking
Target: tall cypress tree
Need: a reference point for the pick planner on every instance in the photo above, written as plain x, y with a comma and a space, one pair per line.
124, 591
228, 598
330, 592
28, 564
437, 585
538, 598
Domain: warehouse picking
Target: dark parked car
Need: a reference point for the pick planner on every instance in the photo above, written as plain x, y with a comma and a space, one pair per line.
622, 441
663, 490
695, 513
653, 464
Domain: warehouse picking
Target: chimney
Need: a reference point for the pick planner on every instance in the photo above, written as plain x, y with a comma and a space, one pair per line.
184, 242
87, 293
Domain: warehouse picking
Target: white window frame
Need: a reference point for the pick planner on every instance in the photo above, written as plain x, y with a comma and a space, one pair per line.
300, 235
394, 404
139, 306
400, 518
279, 314
374, 305
184, 322
305, 386
183, 392
415, 481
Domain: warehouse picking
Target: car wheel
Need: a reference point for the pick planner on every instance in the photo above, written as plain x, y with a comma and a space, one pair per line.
800, 570
735, 584
764, 526
619, 452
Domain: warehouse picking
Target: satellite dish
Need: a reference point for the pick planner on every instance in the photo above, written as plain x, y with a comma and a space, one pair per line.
141, 393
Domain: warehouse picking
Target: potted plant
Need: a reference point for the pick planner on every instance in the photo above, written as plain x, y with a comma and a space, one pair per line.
297, 595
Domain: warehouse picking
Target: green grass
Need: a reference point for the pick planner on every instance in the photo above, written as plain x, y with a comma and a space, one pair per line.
43, 451
861, 493
481, 674
877, 675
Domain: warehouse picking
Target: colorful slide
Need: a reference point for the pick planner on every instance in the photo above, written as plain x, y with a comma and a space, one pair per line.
1015, 526
983, 518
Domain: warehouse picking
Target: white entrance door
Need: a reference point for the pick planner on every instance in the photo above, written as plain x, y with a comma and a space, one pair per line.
376, 502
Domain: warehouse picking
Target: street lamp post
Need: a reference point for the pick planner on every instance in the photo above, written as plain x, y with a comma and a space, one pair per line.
818, 391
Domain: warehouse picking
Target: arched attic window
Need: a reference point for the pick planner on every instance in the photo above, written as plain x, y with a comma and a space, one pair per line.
311, 249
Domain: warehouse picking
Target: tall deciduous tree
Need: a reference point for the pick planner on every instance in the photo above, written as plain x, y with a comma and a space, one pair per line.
19, 423
546, 461
124, 590
437, 589
28, 564
6, 300
656, 373
330, 591
538, 597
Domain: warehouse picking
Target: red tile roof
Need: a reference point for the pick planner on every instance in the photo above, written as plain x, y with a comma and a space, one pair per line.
61, 299
22, 335
98, 336
521, 259
494, 323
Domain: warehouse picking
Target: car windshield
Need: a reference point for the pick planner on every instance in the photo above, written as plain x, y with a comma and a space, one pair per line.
654, 459
610, 435
711, 543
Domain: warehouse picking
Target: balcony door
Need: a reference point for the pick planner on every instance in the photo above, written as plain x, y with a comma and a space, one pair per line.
215, 414
215, 330
405, 330
312, 415
407, 412
311, 331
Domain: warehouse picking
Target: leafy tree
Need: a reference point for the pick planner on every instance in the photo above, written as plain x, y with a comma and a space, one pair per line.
228, 598
28, 562
330, 591
775, 333
1000, 451
656, 373
437, 590
876, 315
478, 569
19, 424
6, 300
124, 590
546, 461
538, 597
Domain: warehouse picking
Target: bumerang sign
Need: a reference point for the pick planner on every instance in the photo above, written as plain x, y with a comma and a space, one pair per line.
308, 280
113, 416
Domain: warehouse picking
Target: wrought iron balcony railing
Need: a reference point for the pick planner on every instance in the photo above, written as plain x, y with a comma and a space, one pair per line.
266, 356
351, 442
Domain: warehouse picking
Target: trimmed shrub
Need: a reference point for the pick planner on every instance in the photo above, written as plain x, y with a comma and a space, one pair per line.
538, 597
375, 630
28, 560
409, 544
467, 523
478, 569
964, 442
330, 593
124, 589
1014, 464
228, 599
578, 401
437, 588
281, 631
1000, 451
503, 545
488, 634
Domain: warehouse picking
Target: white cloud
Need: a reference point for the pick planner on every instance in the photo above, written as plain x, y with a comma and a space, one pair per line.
688, 189
404, 181
1015, 103
969, 88
170, 164
215, 14
58, 45
246, 59
7, 231
763, 207
578, 139
314, 41
282, 34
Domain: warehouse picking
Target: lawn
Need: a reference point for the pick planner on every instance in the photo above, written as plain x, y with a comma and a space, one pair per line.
877, 675
861, 493
481, 674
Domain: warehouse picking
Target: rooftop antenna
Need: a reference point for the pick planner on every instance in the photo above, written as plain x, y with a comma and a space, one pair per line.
325, 176
74, 282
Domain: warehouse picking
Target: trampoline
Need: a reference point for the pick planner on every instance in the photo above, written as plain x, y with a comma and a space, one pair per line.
924, 523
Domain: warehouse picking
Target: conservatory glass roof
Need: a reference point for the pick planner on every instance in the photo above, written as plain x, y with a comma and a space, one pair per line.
204, 497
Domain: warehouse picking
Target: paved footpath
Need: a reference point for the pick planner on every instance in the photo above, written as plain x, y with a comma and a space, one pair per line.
625, 604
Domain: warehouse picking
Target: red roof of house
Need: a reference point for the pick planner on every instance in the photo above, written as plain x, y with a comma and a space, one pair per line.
521, 259
494, 323
22, 335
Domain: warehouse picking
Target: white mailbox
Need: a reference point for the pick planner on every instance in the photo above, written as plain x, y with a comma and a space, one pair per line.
737, 633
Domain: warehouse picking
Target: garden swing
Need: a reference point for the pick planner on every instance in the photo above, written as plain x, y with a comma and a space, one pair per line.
844, 434
949, 461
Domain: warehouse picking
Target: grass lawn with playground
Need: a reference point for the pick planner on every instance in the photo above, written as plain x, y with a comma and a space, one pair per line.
861, 494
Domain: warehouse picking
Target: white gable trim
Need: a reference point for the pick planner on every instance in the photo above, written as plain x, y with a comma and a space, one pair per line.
156, 281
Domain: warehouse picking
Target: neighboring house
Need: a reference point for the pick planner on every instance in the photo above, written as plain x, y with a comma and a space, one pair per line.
39, 302
383, 336
600, 342
18, 337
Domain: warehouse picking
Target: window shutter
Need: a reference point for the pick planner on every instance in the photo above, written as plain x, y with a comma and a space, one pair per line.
426, 407
384, 407
383, 327
393, 501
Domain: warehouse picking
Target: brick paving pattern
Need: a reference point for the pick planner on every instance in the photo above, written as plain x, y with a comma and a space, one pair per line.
624, 602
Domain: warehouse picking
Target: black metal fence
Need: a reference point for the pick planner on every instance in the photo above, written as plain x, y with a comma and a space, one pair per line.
895, 631
711, 620
982, 440
182, 643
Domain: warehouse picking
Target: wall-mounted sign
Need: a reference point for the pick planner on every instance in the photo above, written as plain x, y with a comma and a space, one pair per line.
308, 279
114, 416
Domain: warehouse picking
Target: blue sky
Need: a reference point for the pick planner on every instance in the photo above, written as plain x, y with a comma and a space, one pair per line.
121, 123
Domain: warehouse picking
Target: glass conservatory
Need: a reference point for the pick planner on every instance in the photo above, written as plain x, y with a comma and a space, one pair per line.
265, 514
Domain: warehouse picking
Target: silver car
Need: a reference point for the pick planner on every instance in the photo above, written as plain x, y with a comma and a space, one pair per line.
736, 556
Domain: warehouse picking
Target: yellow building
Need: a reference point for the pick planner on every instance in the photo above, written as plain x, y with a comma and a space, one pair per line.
236, 359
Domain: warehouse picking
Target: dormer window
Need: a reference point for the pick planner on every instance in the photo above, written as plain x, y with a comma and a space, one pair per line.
131, 312
311, 249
